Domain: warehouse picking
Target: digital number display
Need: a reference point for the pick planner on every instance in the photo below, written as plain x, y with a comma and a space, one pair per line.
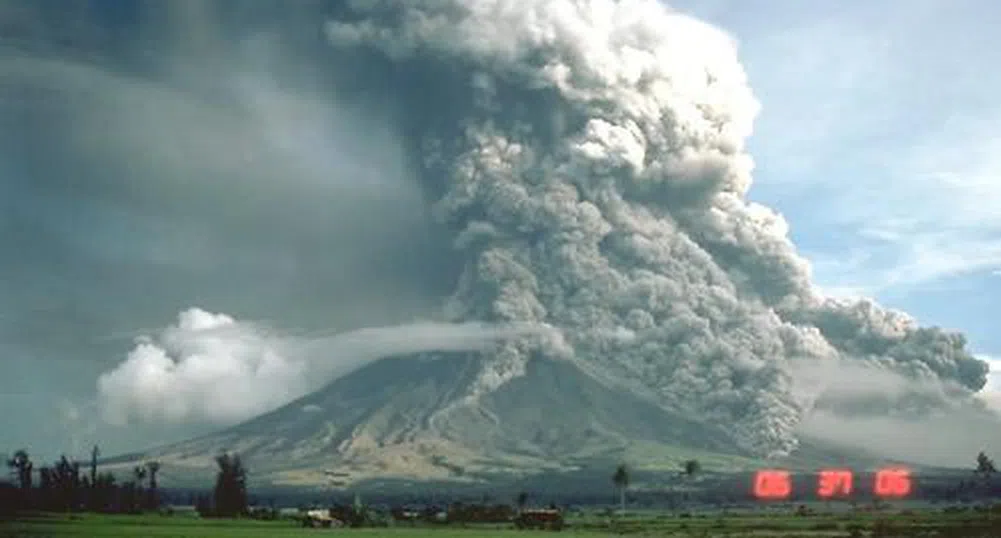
893, 483
772, 485
834, 483
777, 484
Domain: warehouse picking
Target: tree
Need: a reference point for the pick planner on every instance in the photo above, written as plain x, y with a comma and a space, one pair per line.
153, 467
46, 486
60, 485
621, 481
103, 491
985, 465
691, 467
94, 453
522, 499
139, 472
230, 493
21, 466
986, 469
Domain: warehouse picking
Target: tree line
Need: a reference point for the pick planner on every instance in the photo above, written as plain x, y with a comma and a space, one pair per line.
66, 485
63, 486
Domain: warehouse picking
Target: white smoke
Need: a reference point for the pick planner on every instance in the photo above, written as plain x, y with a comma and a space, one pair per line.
590, 158
212, 368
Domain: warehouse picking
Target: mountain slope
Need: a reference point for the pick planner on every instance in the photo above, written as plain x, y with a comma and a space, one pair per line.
403, 417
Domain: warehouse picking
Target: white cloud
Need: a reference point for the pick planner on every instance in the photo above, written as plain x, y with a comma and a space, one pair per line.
925, 255
208, 366
940, 208
212, 368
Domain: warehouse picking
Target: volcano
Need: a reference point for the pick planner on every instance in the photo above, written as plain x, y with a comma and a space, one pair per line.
404, 420
404, 417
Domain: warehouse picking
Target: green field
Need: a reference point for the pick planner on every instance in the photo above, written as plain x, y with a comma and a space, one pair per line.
967, 524
182, 527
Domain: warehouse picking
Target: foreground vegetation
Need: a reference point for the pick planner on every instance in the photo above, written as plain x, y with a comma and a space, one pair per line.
68, 501
950, 523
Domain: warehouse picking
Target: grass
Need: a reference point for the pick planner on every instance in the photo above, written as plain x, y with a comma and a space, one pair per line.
965, 524
99, 526
660, 457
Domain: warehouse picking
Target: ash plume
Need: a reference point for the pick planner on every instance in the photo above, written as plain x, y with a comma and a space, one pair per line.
589, 157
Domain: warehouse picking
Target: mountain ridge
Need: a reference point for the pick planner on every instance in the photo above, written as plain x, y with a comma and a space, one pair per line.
385, 422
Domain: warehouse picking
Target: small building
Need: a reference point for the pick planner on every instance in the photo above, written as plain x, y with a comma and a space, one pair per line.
320, 518
540, 518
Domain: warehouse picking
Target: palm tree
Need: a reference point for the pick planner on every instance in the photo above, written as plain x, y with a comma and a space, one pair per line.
985, 465
140, 473
986, 469
153, 467
94, 453
691, 467
522, 499
621, 481
21, 466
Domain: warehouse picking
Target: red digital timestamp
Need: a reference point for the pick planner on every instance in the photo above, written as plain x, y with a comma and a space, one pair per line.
893, 482
776, 484
834, 483
772, 484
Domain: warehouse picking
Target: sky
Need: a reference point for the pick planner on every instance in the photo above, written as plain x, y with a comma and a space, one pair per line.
877, 141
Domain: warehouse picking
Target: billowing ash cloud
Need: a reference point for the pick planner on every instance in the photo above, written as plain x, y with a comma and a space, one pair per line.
589, 156
212, 368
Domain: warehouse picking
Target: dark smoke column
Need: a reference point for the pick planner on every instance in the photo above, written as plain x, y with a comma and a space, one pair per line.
589, 155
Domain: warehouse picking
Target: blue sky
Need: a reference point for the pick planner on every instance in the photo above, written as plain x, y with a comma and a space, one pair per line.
880, 141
